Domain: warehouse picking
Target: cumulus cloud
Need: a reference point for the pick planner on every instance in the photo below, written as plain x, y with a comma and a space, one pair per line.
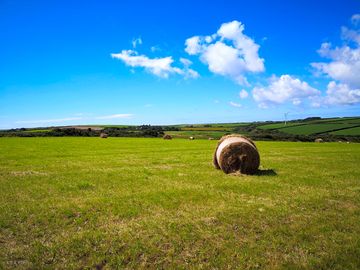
243, 94
161, 67
341, 94
234, 104
229, 52
115, 116
283, 89
343, 66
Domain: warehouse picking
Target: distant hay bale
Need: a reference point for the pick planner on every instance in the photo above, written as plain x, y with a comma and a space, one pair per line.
210, 138
191, 138
103, 135
319, 140
236, 153
167, 137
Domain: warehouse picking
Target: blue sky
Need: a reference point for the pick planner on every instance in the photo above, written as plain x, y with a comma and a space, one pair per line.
168, 62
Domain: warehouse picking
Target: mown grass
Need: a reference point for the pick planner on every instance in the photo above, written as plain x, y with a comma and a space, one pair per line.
350, 131
315, 128
74, 203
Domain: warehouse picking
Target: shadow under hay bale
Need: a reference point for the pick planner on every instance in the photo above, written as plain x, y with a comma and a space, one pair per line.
266, 172
167, 137
236, 153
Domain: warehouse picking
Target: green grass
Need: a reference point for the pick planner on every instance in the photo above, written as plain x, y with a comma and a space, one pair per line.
207, 129
315, 128
121, 203
38, 130
197, 134
350, 131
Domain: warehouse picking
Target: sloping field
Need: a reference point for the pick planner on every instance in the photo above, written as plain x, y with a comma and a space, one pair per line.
197, 134
316, 128
350, 132
120, 203
207, 129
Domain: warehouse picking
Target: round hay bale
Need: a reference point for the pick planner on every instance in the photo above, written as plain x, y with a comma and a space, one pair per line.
167, 137
236, 153
319, 140
103, 135
210, 138
191, 138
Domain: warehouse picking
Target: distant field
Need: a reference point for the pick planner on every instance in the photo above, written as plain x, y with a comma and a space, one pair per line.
127, 203
315, 128
207, 129
38, 130
350, 131
222, 125
197, 134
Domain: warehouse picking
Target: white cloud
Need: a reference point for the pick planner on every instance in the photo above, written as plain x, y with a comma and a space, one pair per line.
350, 34
341, 94
115, 116
229, 52
59, 120
161, 67
343, 67
243, 94
234, 104
283, 89
193, 45
136, 41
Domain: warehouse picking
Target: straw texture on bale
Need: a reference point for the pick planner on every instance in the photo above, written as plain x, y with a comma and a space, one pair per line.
236, 153
103, 135
167, 137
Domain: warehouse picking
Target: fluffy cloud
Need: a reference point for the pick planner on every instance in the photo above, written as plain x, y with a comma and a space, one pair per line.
343, 67
341, 94
234, 104
161, 67
283, 89
229, 52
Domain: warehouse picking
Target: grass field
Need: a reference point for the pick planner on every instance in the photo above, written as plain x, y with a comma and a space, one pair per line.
197, 134
316, 128
350, 131
348, 126
74, 203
